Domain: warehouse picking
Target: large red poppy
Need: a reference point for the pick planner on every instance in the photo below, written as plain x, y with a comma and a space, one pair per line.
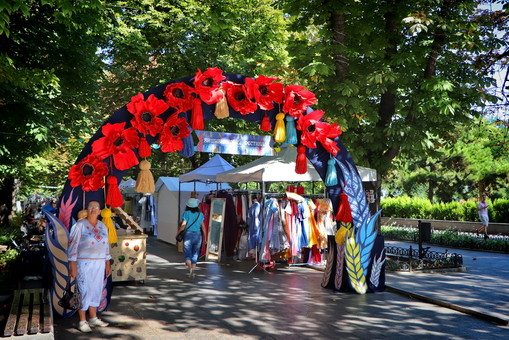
89, 173
240, 96
268, 92
174, 130
207, 86
297, 99
119, 142
179, 96
314, 130
146, 113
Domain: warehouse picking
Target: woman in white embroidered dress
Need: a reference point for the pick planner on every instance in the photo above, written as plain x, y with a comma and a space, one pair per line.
89, 262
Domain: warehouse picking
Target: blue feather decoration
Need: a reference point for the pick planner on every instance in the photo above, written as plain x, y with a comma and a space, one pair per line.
57, 243
355, 193
331, 177
376, 269
291, 132
365, 238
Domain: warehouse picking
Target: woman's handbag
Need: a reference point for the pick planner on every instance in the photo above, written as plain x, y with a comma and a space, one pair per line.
71, 300
180, 236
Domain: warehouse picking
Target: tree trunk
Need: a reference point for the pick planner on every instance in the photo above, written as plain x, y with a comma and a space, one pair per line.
439, 40
7, 200
338, 33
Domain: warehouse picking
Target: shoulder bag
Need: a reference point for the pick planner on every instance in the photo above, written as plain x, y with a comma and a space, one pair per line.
180, 236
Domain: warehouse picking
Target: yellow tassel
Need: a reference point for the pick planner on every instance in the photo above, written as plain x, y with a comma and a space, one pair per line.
279, 129
222, 110
108, 221
145, 181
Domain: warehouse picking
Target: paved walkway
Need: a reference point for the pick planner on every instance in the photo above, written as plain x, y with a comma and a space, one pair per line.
224, 301
483, 287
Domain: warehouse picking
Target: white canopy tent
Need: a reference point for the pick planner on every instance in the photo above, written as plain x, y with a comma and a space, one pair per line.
208, 171
168, 206
280, 168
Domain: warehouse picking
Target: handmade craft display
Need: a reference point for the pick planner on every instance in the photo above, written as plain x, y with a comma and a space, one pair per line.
166, 116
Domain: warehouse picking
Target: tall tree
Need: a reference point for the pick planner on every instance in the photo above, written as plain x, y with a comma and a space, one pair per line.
395, 73
466, 162
48, 80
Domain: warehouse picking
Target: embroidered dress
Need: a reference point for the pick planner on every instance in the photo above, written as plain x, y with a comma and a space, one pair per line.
89, 247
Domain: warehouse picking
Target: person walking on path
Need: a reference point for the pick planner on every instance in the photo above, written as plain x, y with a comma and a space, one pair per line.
89, 262
192, 223
482, 209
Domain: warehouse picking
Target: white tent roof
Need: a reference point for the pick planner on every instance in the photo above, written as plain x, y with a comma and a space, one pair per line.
207, 172
172, 183
280, 168
127, 186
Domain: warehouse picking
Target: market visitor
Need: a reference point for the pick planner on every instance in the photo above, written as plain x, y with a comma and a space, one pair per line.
89, 262
192, 222
482, 209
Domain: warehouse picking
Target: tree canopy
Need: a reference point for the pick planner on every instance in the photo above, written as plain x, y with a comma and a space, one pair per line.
397, 75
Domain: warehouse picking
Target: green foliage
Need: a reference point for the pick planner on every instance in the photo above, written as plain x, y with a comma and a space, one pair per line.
466, 161
400, 234
404, 205
500, 209
451, 211
447, 238
396, 74
418, 208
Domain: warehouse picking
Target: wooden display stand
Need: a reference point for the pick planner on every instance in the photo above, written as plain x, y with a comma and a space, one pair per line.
129, 254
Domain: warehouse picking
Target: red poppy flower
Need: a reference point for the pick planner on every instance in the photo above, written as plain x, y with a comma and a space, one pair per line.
206, 84
297, 100
314, 130
118, 142
174, 130
89, 173
178, 96
240, 96
145, 113
268, 92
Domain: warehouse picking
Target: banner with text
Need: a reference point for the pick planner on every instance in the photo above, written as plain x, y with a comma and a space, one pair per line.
235, 144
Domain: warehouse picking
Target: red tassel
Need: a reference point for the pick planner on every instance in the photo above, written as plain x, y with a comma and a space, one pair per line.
265, 123
197, 115
344, 211
144, 149
301, 164
113, 196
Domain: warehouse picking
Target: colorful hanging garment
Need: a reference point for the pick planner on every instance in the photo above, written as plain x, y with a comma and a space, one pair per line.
254, 225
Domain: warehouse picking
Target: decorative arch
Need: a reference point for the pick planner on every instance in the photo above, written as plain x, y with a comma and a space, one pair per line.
167, 114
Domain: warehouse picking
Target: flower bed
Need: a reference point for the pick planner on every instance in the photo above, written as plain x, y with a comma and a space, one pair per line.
449, 238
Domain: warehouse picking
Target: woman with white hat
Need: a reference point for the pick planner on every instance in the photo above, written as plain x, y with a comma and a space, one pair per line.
192, 223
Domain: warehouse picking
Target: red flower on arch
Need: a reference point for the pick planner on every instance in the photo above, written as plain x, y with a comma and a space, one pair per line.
146, 113
297, 99
89, 173
207, 86
179, 96
174, 130
314, 130
240, 96
268, 92
118, 142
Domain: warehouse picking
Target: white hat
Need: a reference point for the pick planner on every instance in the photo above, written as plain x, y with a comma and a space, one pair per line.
192, 203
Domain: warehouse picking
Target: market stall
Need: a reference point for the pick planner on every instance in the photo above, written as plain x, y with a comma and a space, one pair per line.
171, 197
167, 115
